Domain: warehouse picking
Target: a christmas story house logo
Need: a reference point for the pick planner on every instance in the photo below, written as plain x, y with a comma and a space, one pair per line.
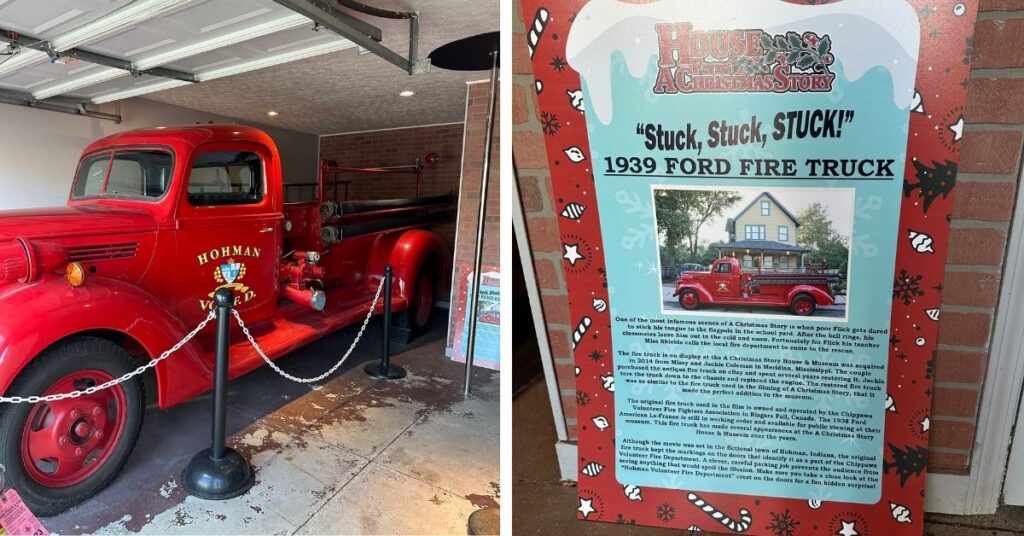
738, 61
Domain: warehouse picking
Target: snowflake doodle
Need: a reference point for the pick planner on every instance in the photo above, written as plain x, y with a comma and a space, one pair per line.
782, 524
906, 287
558, 63
549, 122
582, 398
666, 512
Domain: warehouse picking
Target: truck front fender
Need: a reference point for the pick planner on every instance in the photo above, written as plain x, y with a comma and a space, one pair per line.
705, 296
820, 296
407, 254
39, 315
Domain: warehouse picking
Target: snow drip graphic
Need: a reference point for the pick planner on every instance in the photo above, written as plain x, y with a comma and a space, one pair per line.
767, 375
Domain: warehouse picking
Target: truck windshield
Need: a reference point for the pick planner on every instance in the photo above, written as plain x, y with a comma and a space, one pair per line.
141, 173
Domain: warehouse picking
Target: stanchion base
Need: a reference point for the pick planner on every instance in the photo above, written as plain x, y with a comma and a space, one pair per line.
217, 480
393, 372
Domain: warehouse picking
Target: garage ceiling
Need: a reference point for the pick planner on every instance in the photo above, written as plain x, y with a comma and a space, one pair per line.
251, 56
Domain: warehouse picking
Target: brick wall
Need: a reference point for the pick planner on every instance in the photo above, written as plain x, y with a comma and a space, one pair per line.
469, 199
987, 185
541, 225
398, 147
986, 189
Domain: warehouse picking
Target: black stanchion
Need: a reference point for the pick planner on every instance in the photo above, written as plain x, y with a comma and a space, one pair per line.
219, 472
384, 370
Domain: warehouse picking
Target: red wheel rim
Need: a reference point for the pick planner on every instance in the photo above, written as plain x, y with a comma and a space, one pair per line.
689, 299
65, 442
424, 300
803, 306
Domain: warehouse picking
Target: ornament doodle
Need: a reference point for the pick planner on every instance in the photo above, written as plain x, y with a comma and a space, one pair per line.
921, 242
576, 98
574, 154
573, 211
633, 493
592, 469
900, 513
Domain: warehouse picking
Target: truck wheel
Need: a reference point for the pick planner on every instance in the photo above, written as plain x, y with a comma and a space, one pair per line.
58, 454
420, 314
803, 305
689, 299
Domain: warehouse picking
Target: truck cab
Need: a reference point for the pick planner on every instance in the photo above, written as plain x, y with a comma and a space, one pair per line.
158, 220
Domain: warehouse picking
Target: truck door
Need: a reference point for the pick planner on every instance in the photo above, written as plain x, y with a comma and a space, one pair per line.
229, 230
724, 281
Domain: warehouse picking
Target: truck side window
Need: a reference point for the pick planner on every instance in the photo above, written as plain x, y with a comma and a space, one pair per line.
226, 178
131, 173
91, 176
724, 268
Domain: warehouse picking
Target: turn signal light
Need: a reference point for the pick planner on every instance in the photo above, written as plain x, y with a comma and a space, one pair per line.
75, 274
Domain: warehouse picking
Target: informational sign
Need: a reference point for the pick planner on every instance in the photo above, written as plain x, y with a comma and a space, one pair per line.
487, 350
753, 201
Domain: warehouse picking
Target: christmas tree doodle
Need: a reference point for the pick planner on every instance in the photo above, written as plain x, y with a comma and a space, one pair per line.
907, 461
932, 181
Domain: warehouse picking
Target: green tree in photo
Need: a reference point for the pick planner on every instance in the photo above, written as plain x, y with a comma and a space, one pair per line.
817, 234
682, 213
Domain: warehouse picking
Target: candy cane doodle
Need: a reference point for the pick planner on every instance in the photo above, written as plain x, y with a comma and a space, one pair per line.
731, 524
540, 20
581, 329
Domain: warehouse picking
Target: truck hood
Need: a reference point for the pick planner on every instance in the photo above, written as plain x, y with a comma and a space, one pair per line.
65, 222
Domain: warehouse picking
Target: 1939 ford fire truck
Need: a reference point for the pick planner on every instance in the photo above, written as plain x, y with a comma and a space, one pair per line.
726, 284
157, 221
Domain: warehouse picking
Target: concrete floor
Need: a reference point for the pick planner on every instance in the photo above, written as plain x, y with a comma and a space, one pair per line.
542, 504
352, 456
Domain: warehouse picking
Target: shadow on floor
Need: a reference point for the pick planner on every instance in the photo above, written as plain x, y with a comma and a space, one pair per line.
350, 444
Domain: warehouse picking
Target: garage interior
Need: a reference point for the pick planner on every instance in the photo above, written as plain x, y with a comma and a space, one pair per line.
344, 93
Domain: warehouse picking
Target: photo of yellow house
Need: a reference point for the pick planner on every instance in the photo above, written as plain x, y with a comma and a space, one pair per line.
763, 235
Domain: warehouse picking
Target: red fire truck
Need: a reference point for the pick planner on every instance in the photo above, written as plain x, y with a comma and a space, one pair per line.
157, 221
726, 284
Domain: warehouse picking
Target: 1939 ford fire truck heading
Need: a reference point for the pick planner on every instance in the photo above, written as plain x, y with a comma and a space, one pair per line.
157, 221
726, 284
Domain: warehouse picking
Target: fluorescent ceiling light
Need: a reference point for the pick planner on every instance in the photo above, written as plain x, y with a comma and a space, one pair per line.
407, 93
300, 53
272, 113
24, 58
95, 76
140, 90
119, 19
288, 22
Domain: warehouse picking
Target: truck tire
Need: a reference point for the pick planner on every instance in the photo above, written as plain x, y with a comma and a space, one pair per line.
689, 299
420, 314
59, 454
803, 305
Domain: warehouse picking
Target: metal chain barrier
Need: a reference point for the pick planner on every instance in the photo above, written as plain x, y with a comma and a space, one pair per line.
362, 329
115, 381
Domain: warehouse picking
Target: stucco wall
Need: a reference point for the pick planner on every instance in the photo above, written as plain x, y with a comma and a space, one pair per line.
39, 149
